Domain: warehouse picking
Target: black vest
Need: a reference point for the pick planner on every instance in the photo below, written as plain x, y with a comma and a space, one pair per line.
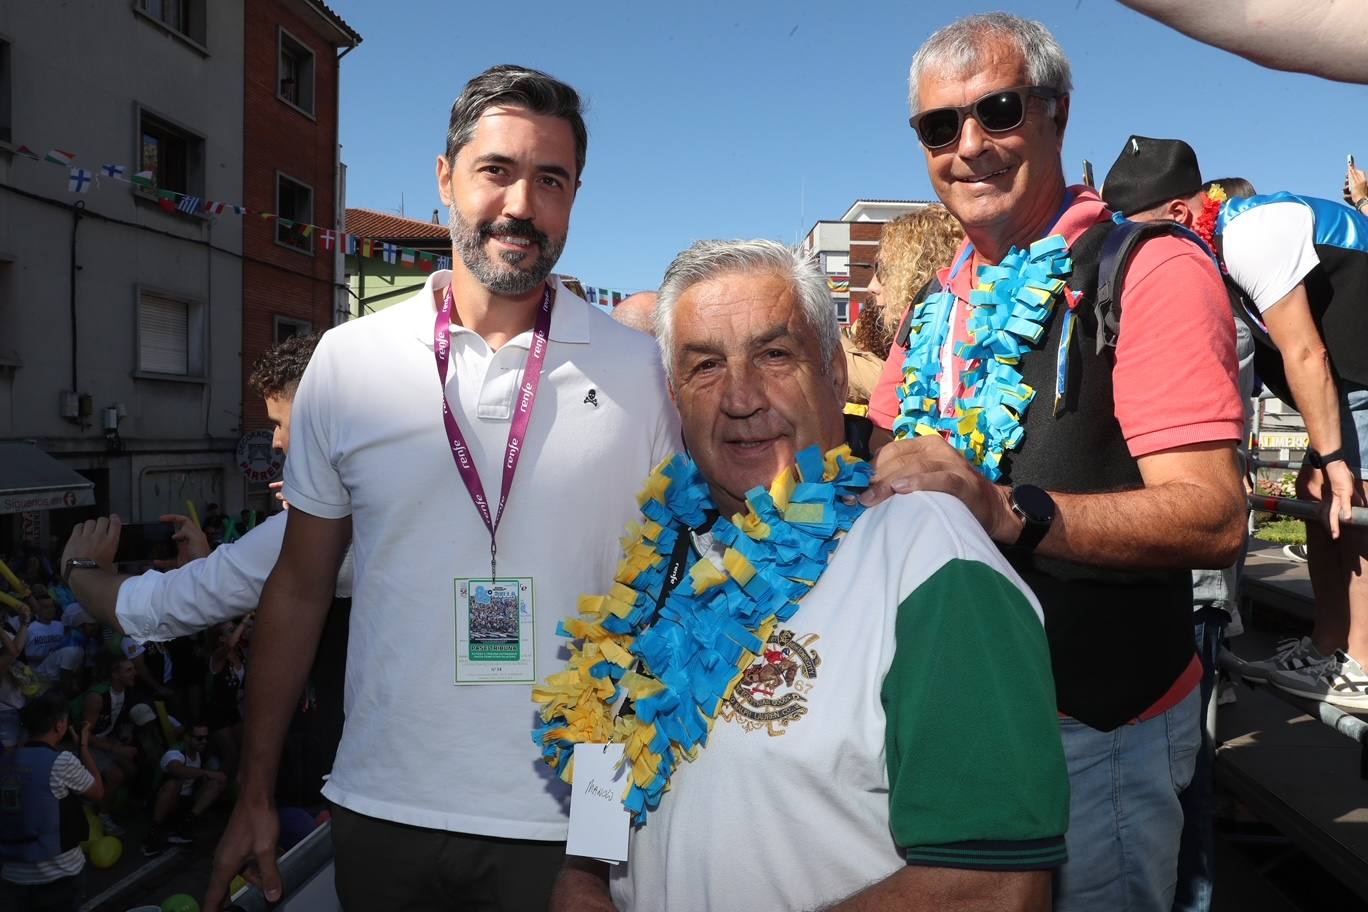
1118, 639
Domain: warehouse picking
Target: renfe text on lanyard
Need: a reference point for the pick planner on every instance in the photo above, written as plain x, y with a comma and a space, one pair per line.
517, 430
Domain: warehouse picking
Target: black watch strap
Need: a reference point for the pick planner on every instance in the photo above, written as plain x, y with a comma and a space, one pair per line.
1037, 511
1319, 462
78, 563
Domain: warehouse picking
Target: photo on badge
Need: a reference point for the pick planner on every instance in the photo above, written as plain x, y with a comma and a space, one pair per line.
494, 629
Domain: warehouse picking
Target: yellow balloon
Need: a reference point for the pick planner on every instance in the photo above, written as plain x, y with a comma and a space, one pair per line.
238, 883
95, 830
181, 902
106, 851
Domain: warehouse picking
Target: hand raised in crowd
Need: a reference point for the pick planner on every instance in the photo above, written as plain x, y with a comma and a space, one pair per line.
1355, 186
191, 543
930, 464
248, 845
94, 539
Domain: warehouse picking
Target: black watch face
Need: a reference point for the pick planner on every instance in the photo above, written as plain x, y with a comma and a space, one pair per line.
1035, 503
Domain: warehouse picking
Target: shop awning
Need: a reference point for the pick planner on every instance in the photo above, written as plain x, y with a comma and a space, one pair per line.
31, 480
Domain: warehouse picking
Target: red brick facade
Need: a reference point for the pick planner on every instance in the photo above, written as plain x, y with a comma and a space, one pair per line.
864, 246
280, 139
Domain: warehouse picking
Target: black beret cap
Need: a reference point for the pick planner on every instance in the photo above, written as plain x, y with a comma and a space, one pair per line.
1149, 172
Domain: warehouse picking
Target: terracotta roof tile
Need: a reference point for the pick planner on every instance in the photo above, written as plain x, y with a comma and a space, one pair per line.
384, 225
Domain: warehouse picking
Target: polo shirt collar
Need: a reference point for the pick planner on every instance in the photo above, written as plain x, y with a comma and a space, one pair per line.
569, 316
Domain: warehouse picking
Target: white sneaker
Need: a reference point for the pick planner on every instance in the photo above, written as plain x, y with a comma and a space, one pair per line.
111, 828
1342, 682
1295, 553
1290, 655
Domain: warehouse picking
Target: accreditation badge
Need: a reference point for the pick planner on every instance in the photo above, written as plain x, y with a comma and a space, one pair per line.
494, 631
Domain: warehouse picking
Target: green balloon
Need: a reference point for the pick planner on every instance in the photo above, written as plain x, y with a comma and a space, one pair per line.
181, 902
106, 851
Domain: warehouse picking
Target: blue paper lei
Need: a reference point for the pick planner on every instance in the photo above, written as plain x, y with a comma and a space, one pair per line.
679, 664
1010, 309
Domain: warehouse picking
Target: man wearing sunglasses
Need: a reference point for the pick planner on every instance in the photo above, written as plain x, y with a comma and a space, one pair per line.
1105, 470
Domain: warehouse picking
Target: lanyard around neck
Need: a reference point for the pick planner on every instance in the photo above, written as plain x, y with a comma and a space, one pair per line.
517, 430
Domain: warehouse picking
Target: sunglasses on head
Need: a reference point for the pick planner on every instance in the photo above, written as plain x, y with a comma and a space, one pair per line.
996, 112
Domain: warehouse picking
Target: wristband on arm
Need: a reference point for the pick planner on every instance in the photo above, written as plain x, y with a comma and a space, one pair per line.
1320, 462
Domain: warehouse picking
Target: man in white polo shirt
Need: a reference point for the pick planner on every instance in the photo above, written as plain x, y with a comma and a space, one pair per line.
534, 443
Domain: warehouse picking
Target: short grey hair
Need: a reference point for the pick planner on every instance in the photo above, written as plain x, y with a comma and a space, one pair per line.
959, 48
517, 87
707, 260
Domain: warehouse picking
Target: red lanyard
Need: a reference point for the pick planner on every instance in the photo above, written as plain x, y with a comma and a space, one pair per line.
522, 413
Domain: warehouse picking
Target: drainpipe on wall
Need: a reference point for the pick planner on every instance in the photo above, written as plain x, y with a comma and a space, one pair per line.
76, 217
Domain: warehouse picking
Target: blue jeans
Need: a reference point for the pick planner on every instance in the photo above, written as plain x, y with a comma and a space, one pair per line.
1196, 855
1124, 817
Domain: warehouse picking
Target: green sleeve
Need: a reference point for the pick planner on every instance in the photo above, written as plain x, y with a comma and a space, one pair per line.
975, 765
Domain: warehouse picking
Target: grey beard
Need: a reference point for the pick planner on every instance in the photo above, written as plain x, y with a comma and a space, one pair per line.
468, 241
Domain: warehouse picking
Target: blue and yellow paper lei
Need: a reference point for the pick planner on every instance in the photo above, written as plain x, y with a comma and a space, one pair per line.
1010, 308
691, 653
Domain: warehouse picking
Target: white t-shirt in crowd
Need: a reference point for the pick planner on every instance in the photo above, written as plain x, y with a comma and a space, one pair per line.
1269, 249
175, 755
367, 440
43, 638
68, 775
156, 606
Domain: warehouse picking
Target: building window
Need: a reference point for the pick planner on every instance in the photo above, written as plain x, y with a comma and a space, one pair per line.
296, 73
170, 335
184, 17
6, 91
294, 203
288, 328
842, 306
174, 156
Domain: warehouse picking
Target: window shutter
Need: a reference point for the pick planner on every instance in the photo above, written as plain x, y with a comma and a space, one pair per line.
163, 335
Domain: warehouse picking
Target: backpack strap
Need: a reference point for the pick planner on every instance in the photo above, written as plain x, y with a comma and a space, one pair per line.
932, 286
1116, 253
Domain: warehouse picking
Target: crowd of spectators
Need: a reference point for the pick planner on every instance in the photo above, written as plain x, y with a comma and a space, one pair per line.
160, 723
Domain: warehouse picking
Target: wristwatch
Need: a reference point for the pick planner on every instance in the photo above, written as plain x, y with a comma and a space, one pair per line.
77, 563
1036, 509
1319, 462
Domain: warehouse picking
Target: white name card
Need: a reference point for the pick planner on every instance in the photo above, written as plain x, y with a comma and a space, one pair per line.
599, 824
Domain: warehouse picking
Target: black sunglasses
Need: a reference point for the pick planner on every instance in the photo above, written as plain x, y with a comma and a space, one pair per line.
996, 112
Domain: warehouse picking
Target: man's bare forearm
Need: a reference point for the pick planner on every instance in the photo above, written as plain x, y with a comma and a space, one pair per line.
582, 886
98, 593
289, 623
1312, 385
950, 890
1320, 37
1179, 525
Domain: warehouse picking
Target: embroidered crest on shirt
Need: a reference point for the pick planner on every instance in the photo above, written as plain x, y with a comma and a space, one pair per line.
772, 692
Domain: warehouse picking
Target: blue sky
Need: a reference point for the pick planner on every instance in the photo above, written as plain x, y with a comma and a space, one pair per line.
755, 119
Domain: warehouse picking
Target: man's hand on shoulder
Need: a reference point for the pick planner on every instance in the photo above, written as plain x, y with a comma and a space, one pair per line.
930, 464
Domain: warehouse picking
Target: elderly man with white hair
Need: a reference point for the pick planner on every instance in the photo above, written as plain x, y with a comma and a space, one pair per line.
803, 673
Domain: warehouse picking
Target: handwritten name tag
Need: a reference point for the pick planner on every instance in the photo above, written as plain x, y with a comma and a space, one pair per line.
599, 824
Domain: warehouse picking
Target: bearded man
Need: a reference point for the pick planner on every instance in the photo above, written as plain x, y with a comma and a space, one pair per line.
407, 433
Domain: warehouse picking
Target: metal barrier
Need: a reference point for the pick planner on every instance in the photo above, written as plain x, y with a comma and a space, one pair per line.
1304, 509
298, 869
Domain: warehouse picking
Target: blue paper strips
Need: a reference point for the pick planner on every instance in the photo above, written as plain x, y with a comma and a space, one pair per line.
1010, 309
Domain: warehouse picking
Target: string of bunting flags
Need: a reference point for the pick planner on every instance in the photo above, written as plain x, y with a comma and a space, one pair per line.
80, 180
